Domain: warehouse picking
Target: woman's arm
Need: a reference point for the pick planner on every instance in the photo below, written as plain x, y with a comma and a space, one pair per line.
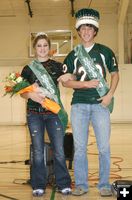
37, 97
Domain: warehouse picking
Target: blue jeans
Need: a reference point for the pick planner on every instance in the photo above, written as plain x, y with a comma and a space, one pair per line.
37, 124
99, 116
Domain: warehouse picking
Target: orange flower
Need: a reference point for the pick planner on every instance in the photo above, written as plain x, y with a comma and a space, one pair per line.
8, 88
17, 74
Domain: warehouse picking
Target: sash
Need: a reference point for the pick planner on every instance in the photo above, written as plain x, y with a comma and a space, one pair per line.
93, 73
49, 88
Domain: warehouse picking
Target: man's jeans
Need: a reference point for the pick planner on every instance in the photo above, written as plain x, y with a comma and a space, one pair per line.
99, 116
37, 124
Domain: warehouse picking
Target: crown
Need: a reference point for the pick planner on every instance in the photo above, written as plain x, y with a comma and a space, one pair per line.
40, 33
87, 16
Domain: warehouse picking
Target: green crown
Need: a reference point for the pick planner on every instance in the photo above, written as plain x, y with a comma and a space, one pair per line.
87, 12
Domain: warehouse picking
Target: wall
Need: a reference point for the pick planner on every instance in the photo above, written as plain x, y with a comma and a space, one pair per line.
14, 54
123, 96
15, 31
12, 110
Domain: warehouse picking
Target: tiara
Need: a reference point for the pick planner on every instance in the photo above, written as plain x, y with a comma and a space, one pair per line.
41, 33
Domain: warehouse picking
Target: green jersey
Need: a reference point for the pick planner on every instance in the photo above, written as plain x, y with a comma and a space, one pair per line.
104, 59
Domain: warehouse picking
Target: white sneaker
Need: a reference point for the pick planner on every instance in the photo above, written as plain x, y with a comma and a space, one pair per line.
66, 191
38, 192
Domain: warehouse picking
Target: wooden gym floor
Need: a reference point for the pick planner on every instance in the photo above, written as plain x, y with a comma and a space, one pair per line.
14, 174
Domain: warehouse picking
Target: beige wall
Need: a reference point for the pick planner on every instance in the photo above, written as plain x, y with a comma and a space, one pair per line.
12, 110
15, 31
14, 52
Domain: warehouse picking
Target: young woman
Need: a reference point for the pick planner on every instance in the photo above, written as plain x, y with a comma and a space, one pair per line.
39, 118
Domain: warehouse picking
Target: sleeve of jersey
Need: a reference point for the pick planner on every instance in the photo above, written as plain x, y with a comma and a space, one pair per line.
26, 73
111, 61
59, 69
68, 64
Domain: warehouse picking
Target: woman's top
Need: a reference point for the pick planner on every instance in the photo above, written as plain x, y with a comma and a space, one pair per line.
54, 68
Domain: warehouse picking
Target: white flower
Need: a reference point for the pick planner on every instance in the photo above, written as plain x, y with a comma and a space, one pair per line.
12, 76
19, 79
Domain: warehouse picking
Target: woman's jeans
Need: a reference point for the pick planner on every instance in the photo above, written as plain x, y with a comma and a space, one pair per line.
37, 124
99, 116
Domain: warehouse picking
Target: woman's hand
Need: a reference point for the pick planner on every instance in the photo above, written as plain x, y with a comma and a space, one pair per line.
36, 94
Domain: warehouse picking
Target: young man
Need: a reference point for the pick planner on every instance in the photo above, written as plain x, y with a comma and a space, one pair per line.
92, 99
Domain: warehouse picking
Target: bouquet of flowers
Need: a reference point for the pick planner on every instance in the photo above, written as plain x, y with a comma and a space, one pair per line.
15, 84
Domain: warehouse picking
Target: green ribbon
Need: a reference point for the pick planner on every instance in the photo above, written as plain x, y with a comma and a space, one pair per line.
93, 72
49, 86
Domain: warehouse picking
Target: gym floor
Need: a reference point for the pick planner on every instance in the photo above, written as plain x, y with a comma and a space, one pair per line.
14, 174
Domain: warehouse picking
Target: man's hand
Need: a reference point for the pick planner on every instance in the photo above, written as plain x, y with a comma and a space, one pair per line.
66, 77
92, 83
105, 100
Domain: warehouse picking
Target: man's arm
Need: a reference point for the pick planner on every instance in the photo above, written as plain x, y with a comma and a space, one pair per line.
114, 82
81, 84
